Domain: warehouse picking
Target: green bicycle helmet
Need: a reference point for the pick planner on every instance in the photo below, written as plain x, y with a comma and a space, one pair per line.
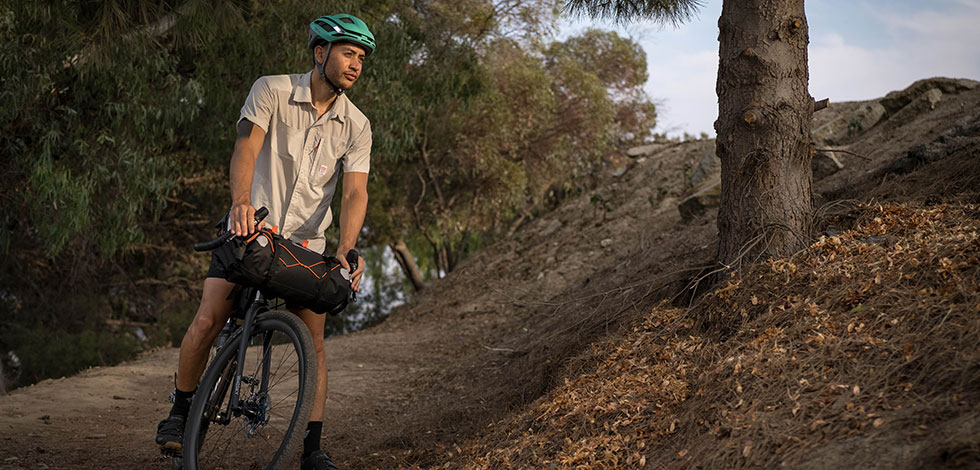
341, 27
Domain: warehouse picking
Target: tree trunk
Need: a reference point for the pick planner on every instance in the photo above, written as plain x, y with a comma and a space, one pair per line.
3, 380
763, 130
407, 262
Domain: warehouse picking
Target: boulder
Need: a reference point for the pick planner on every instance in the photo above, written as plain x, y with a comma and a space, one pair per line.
824, 164
925, 102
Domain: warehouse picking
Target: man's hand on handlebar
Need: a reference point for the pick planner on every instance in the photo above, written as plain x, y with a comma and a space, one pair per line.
241, 219
355, 277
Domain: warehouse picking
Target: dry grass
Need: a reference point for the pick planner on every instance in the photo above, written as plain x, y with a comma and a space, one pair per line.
863, 351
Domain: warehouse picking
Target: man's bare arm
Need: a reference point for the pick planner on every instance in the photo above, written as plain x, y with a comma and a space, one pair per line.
353, 208
247, 146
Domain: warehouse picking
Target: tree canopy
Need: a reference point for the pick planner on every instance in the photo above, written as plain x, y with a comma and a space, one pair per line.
117, 125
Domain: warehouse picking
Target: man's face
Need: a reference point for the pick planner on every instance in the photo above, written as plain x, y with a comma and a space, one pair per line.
344, 65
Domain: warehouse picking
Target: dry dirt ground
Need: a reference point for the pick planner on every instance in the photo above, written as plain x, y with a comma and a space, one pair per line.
514, 320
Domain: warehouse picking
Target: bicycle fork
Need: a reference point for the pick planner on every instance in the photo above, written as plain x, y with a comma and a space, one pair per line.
255, 406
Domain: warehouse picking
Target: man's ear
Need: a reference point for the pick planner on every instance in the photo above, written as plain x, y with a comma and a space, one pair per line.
319, 53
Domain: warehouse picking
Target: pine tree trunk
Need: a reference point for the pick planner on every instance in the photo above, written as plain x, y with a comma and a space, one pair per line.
763, 130
407, 262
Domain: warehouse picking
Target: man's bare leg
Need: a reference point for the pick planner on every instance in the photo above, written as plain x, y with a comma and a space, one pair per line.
315, 323
313, 456
211, 316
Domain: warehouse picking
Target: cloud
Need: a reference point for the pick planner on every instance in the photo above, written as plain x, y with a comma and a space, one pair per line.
878, 49
683, 85
845, 72
920, 44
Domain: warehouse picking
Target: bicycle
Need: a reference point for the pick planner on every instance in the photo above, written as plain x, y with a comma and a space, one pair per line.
257, 392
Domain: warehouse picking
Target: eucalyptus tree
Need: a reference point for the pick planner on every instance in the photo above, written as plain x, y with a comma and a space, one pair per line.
476, 115
763, 126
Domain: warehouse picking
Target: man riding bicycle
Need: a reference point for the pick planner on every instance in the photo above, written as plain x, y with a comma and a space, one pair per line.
294, 133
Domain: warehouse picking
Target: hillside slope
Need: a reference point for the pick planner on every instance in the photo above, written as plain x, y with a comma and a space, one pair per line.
457, 377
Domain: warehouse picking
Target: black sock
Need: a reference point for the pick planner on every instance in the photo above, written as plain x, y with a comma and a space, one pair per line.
182, 402
311, 441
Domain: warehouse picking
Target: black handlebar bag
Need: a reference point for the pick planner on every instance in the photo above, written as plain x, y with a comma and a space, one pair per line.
282, 268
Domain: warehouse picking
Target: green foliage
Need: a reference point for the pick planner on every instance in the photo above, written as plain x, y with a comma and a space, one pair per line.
46, 353
663, 11
85, 146
117, 123
473, 129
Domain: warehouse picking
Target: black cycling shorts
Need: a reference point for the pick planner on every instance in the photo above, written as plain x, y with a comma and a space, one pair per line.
216, 270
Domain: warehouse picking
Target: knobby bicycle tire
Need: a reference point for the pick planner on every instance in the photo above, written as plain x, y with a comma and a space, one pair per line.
246, 442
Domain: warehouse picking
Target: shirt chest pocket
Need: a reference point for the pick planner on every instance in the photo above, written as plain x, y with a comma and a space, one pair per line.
330, 154
327, 163
289, 141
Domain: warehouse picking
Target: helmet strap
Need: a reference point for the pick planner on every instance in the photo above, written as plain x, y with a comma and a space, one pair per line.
336, 89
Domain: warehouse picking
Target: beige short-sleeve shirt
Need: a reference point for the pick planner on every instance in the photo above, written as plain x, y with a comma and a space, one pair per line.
298, 166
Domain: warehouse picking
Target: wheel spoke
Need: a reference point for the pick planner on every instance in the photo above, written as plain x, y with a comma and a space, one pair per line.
263, 429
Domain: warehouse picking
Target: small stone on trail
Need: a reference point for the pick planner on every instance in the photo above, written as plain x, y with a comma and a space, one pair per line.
606, 242
552, 227
118, 397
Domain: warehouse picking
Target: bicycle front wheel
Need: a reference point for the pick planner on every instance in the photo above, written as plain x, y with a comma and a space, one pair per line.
265, 428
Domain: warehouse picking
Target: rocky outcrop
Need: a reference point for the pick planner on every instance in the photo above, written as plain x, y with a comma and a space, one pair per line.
840, 123
925, 102
896, 100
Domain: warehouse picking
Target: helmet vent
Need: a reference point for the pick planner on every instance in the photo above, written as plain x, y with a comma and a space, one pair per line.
347, 20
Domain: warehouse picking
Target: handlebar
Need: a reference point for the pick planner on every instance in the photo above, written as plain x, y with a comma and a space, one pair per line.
224, 237
352, 257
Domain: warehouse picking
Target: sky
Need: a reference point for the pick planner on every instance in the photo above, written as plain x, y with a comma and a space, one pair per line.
859, 50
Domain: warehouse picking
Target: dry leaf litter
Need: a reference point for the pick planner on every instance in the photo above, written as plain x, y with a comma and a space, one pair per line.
872, 333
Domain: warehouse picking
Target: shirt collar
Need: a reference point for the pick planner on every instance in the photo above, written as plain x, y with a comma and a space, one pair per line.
303, 93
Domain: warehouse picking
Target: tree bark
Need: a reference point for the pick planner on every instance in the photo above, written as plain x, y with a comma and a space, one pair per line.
3, 380
407, 262
763, 130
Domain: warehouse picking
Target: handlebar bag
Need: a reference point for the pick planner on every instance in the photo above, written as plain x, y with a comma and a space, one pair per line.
282, 268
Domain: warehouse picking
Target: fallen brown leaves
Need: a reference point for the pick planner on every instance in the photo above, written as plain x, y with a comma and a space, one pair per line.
874, 332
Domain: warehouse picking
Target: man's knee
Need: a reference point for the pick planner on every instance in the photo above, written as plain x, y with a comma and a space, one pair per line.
214, 309
314, 322
206, 320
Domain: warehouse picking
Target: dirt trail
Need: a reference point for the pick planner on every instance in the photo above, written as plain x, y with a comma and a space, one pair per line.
510, 323
106, 417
